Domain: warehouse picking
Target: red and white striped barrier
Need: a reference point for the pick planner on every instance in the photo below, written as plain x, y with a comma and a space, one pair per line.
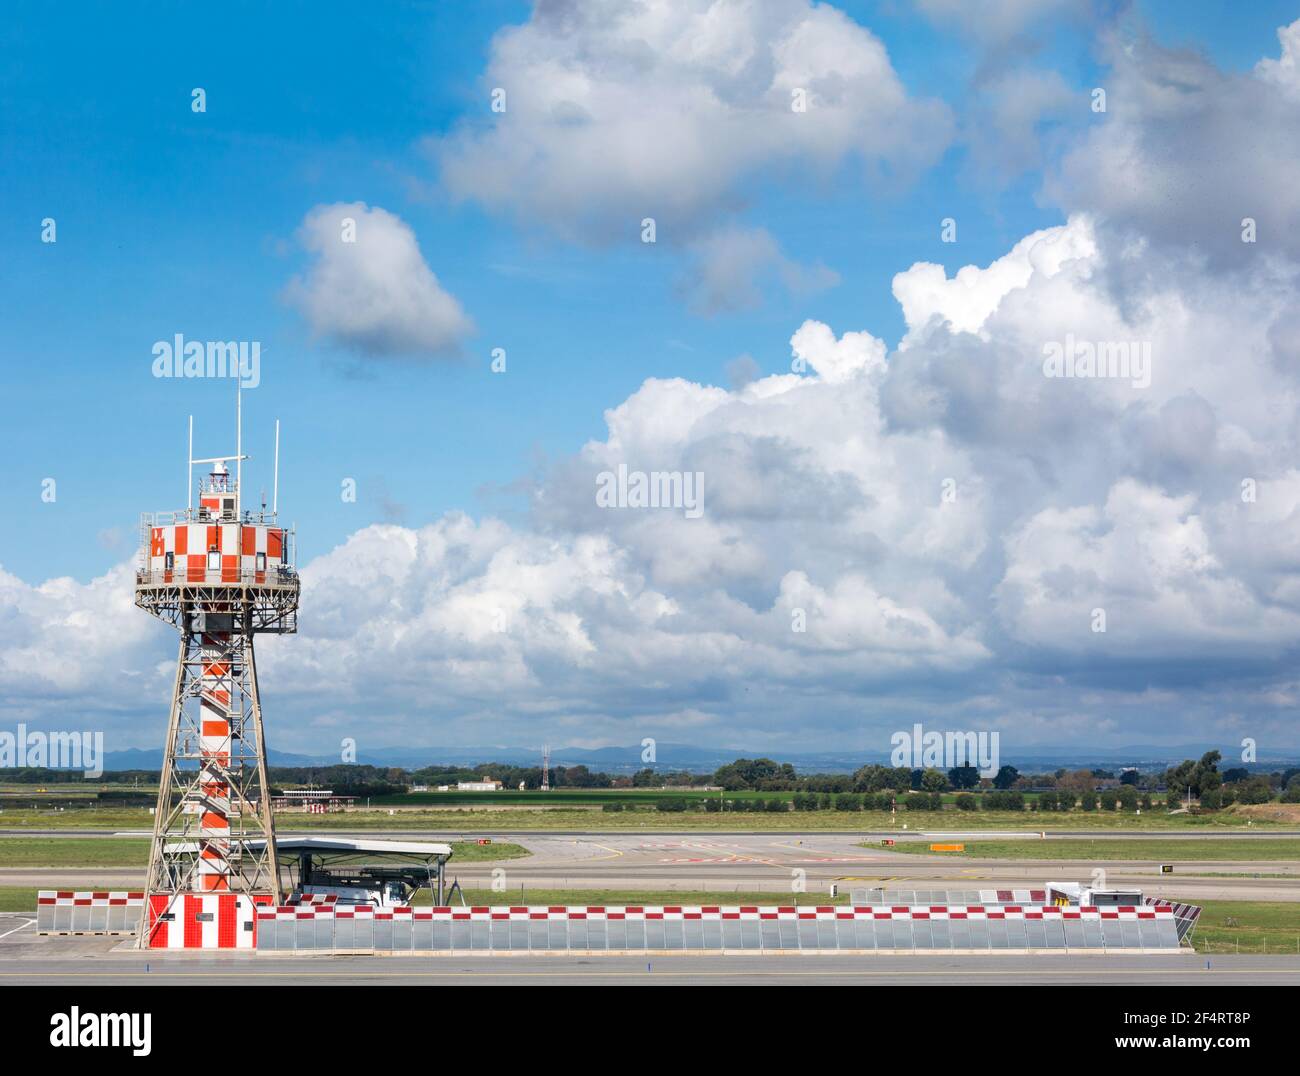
64, 911
290, 912
673, 928
66, 898
204, 920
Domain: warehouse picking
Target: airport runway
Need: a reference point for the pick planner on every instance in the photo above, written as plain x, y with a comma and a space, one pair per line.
775, 863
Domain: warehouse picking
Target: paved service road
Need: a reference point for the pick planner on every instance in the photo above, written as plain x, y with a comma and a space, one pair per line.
773, 863
712, 970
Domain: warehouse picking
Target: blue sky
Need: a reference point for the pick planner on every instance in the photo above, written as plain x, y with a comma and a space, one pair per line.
172, 222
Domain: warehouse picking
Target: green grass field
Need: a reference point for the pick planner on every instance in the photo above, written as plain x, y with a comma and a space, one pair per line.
1231, 926
134, 852
1136, 848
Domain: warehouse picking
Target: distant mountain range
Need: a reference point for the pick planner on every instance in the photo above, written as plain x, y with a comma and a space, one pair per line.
670, 756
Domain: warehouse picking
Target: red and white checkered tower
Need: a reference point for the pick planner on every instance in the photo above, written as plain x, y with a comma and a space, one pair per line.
220, 574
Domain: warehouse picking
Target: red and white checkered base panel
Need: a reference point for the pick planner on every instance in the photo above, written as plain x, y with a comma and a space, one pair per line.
204, 920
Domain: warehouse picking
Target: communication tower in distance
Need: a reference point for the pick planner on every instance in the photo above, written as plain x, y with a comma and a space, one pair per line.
220, 574
546, 768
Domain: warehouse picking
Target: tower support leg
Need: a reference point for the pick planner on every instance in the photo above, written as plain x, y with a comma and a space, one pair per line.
213, 831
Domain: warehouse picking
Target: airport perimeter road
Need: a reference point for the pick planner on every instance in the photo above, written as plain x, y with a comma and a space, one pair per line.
773, 863
710, 970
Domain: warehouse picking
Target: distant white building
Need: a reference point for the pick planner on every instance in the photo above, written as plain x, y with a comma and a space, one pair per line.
486, 785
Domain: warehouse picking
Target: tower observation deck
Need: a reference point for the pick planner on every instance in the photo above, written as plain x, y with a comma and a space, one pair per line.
220, 573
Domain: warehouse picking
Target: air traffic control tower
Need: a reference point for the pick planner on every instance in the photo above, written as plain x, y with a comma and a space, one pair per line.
220, 573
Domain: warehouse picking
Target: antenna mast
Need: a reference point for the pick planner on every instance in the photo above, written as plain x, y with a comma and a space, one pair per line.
275, 486
239, 450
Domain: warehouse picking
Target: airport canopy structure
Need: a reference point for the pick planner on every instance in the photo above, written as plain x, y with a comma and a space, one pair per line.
353, 870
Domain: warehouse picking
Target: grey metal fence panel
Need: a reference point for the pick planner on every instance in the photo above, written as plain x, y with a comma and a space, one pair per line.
674, 934
442, 934
579, 930
422, 935
403, 929
480, 934
1074, 934
558, 933
1149, 934
1053, 933
1129, 932
693, 934
922, 934
998, 936
940, 931
635, 934
363, 933
654, 934
324, 938
538, 935
1111, 935
345, 934
1171, 934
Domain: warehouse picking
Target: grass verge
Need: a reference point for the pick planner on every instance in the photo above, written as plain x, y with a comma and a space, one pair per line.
1241, 926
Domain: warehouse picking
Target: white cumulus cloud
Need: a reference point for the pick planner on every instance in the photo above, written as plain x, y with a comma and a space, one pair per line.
368, 287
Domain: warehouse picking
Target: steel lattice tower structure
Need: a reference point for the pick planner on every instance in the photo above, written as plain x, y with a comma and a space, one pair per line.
220, 574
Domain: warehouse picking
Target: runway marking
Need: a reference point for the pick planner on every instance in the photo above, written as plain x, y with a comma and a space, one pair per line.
15, 930
597, 859
836, 856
